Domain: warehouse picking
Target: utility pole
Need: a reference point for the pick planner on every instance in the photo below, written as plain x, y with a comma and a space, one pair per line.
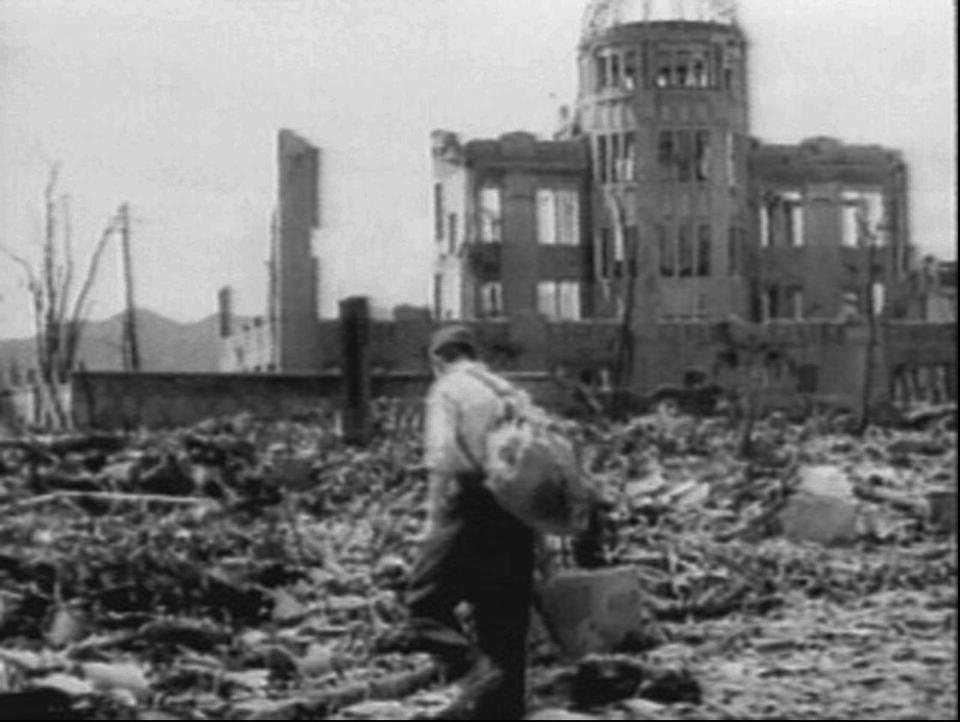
131, 350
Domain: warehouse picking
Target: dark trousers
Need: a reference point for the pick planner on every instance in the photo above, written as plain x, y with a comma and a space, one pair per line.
482, 555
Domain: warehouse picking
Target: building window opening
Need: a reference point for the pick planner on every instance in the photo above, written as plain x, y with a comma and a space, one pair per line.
734, 250
615, 70
731, 161
683, 74
629, 162
614, 148
438, 212
770, 303
490, 218
704, 250
702, 159
601, 72
452, 231
668, 260
790, 207
606, 252
685, 250
767, 209
718, 62
700, 78
491, 299
879, 298
663, 70
559, 300
684, 156
546, 217
795, 303
601, 159
851, 303
630, 70
665, 152
437, 295
632, 242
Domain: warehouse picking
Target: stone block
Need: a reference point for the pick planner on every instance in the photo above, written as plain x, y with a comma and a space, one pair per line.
595, 611
943, 509
825, 519
825, 480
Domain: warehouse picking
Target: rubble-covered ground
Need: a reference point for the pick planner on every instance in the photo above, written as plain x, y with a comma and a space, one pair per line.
241, 570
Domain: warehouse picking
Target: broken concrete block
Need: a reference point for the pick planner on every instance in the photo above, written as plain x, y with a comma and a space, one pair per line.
595, 610
825, 480
943, 509
825, 519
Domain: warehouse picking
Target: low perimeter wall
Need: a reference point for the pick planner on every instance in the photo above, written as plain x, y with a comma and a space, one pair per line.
103, 399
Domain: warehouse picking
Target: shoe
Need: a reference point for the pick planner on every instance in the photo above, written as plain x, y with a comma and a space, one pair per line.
483, 678
449, 647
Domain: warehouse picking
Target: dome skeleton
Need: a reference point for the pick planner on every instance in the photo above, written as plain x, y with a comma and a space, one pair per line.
601, 15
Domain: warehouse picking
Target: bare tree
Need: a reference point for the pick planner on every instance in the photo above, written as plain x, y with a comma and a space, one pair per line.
59, 310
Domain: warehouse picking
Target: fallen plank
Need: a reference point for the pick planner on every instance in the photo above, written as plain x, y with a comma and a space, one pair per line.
106, 496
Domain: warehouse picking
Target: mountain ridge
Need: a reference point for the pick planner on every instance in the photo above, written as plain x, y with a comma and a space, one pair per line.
165, 344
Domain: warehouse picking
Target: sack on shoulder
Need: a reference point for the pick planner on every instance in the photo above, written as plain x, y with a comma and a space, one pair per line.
533, 469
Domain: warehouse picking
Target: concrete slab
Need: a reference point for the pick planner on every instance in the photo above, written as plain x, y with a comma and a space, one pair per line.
594, 611
825, 519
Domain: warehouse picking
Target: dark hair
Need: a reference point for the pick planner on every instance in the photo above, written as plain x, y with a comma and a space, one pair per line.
454, 350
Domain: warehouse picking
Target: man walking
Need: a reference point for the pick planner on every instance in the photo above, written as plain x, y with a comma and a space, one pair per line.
474, 550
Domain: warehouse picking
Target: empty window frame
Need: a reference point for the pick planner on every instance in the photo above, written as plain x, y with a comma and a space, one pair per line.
568, 217
438, 214
794, 304
704, 249
630, 75
792, 206
664, 65
491, 299
606, 252
632, 243
684, 250
601, 71
863, 218
558, 217
731, 160
546, 217
667, 251
559, 300
628, 160
613, 146
770, 303
699, 71
702, 155
614, 60
683, 70
665, 153
734, 251
452, 231
684, 156
600, 159
490, 215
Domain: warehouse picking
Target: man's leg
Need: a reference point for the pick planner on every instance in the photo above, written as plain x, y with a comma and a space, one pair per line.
436, 588
502, 552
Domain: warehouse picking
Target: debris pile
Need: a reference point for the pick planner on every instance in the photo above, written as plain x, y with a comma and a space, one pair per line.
241, 570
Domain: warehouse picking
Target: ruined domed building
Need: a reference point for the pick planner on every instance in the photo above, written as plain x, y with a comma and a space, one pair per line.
654, 201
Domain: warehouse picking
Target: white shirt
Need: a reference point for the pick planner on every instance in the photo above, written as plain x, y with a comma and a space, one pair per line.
460, 411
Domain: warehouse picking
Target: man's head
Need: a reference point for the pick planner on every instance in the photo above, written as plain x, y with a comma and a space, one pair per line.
452, 343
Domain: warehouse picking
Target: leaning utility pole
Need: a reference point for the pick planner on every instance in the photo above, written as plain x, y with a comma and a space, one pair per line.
131, 350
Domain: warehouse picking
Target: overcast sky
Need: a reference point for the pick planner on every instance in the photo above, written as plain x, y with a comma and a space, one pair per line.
174, 106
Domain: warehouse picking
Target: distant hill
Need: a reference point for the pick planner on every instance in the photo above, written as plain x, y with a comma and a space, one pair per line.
165, 345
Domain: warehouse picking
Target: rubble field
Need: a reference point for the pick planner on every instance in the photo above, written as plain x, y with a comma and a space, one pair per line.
241, 569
